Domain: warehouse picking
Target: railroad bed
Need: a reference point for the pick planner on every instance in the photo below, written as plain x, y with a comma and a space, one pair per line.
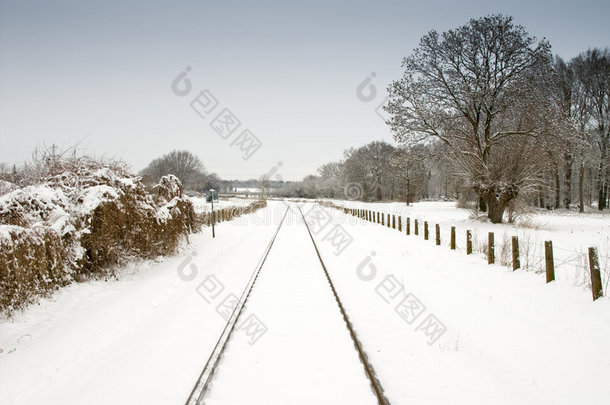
307, 354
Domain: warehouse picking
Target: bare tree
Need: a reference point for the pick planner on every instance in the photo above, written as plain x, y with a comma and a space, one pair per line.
592, 76
263, 185
182, 164
330, 179
370, 167
474, 89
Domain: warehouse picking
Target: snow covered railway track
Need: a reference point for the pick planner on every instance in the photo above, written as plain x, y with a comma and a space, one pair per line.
368, 367
203, 382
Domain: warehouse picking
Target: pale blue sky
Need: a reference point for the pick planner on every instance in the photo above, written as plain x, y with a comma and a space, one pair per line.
98, 73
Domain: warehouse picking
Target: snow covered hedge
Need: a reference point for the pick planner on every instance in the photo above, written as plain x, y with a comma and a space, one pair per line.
83, 217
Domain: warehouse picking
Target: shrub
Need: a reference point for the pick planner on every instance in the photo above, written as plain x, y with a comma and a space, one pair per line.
83, 218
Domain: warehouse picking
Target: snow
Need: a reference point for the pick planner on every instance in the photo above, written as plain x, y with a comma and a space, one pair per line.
306, 336
38, 206
6, 187
247, 190
7, 230
96, 195
144, 338
200, 205
571, 233
509, 337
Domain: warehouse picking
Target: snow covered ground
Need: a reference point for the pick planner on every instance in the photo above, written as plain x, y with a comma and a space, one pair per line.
571, 233
142, 339
509, 338
200, 205
306, 349
438, 326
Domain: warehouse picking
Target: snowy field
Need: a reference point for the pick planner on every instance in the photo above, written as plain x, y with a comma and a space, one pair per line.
437, 326
200, 205
571, 233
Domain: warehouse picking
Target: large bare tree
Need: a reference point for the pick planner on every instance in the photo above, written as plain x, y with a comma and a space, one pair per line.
182, 164
478, 90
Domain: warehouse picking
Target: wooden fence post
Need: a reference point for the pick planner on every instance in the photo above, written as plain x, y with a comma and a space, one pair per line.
377, 217
516, 259
491, 249
382, 219
399, 224
426, 234
415, 227
550, 265
388, 220
438, 234
468, 242
393, 221
408, 226
596, 280
452, 238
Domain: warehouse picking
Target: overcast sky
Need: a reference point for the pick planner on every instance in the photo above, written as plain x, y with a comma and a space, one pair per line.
98, 74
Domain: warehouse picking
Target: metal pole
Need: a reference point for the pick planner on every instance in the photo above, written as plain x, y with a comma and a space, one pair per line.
213, 216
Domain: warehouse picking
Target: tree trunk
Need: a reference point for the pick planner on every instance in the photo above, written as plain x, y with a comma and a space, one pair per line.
603, 194
482, 204
590, 188
496, 200
557, 188
602, 172
581, 175
496, 210
567, 196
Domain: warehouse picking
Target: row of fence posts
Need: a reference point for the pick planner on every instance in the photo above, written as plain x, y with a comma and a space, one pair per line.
222, 215
380, 218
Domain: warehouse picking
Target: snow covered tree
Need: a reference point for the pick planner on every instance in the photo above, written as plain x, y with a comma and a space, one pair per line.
475, 89
591, 72
369, 166
183, 164
330, 179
